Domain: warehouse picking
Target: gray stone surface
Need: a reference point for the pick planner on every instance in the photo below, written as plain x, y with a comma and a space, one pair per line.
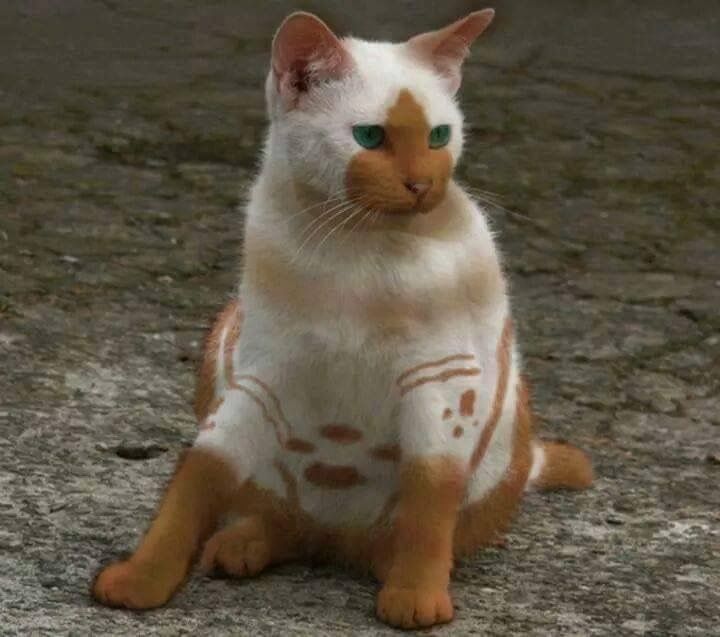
128, 132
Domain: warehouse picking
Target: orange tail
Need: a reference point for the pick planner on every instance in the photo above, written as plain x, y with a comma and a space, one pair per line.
559, 465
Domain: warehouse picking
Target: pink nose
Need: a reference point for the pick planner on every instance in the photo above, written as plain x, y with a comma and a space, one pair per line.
418, 188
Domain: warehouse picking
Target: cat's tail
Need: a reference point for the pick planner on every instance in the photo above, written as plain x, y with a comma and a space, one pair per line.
558, 465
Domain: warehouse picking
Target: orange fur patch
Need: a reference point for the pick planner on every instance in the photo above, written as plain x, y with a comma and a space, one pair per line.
566, 467
379, 175
418, 577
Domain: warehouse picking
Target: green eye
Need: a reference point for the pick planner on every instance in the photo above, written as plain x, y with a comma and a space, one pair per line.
439, 136
368, 136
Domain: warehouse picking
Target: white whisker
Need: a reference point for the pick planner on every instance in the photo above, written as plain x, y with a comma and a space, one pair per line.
343, 209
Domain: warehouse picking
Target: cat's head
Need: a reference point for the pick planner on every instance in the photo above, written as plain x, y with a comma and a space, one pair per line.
371, 122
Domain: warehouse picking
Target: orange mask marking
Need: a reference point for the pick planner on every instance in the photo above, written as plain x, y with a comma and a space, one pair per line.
380, 174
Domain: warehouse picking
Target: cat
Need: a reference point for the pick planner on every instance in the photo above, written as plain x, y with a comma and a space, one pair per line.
361, 398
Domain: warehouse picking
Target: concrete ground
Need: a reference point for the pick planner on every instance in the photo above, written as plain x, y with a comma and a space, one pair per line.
128, 132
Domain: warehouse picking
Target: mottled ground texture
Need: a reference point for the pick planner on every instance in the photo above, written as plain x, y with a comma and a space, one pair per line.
128, 133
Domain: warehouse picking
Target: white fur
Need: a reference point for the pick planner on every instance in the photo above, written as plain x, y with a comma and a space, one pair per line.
335, 367
538, 464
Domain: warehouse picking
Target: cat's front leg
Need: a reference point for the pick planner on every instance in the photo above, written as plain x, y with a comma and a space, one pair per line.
438, 426
416, 590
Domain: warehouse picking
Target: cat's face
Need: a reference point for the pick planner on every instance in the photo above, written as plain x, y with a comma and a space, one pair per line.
368, 122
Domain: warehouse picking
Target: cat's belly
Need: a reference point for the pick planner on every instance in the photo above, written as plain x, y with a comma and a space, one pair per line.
339, 456
319, 427
346, 481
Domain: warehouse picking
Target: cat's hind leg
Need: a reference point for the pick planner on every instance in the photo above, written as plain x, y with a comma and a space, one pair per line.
210, 483
248, 546
196, 497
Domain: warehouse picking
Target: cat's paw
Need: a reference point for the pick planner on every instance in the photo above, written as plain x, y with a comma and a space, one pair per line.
128, 585
241, 550
414, 607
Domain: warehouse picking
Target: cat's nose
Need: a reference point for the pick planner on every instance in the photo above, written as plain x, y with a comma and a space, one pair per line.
418, 188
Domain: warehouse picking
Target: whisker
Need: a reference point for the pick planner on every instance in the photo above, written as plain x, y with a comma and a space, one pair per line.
322, 216
343, 209
489, 199
333, 198
337, 227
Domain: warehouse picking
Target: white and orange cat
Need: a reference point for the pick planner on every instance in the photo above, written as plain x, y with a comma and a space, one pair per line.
361, 399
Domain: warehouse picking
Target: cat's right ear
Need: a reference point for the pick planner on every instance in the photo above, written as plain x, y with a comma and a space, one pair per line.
306, 52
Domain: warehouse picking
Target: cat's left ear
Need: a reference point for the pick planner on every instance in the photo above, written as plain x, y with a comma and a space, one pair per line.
305, 52
446, 49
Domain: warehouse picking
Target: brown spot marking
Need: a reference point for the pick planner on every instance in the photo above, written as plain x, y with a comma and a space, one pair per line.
476, 423
447, 414
405, 156
389, 453
467, 403
330, 476
458, 431
299, 445
437, 363
440, 378
342, 434
503, 361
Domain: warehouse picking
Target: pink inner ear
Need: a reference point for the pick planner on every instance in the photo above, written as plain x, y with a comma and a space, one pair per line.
446, 48
305, 50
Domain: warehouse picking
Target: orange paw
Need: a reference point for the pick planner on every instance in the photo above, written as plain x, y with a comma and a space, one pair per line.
127, 585
414, 607
241, 550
